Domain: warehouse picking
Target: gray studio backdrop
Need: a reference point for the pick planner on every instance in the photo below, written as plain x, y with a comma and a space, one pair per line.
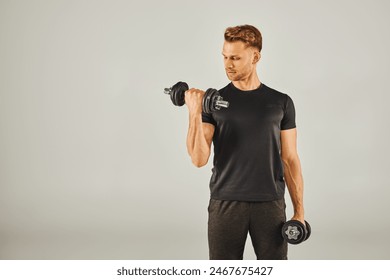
93, 162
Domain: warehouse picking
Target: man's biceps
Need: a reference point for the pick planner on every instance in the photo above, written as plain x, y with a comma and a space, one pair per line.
290, 132
208, 129
289, 143
288, 137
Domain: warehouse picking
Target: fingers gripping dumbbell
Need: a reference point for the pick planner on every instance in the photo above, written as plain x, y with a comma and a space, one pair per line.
212, 100
294, 232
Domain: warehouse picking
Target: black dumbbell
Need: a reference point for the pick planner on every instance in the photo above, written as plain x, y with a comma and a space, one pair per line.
212, 100
294, 232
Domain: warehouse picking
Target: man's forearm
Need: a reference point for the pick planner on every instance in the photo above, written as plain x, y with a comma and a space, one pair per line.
294, 181
197, 145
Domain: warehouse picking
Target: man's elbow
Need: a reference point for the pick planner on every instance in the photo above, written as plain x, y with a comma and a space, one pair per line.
290, 159
199, 163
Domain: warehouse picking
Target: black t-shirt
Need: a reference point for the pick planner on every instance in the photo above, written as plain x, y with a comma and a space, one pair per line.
247, 162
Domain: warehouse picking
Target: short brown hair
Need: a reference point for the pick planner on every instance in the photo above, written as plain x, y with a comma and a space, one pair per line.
247, 34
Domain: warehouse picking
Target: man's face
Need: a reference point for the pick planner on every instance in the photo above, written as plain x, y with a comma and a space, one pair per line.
240, 60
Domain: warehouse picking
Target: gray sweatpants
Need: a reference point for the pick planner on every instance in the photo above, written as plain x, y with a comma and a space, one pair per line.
230, 221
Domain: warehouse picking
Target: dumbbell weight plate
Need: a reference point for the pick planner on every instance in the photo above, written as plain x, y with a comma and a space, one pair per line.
206, 101
308, 230
213, 106
208, 106
177, 95
293, 232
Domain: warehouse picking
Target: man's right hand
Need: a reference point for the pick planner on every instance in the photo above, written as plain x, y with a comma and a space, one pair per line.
193, 99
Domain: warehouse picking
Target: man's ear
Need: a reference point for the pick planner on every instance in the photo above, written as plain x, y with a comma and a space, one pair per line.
256, 57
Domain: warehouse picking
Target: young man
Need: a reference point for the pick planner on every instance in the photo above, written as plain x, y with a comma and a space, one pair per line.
255, 154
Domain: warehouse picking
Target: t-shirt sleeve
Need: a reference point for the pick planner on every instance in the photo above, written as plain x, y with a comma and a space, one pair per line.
288, 120
208, 118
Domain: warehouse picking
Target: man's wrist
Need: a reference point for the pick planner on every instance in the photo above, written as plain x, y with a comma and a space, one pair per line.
195, 115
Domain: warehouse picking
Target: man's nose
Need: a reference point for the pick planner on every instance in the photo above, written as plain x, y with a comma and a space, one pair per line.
229, 65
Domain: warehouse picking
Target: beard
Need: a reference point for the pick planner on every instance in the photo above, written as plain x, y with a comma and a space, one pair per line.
234, 76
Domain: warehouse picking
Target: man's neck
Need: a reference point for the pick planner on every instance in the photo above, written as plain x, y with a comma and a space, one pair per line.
251, 83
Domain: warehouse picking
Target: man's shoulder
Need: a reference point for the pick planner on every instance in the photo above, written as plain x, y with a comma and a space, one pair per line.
276, 93
225, 88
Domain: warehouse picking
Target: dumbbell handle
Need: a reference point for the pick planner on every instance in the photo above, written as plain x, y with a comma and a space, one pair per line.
167, 90
219, 102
